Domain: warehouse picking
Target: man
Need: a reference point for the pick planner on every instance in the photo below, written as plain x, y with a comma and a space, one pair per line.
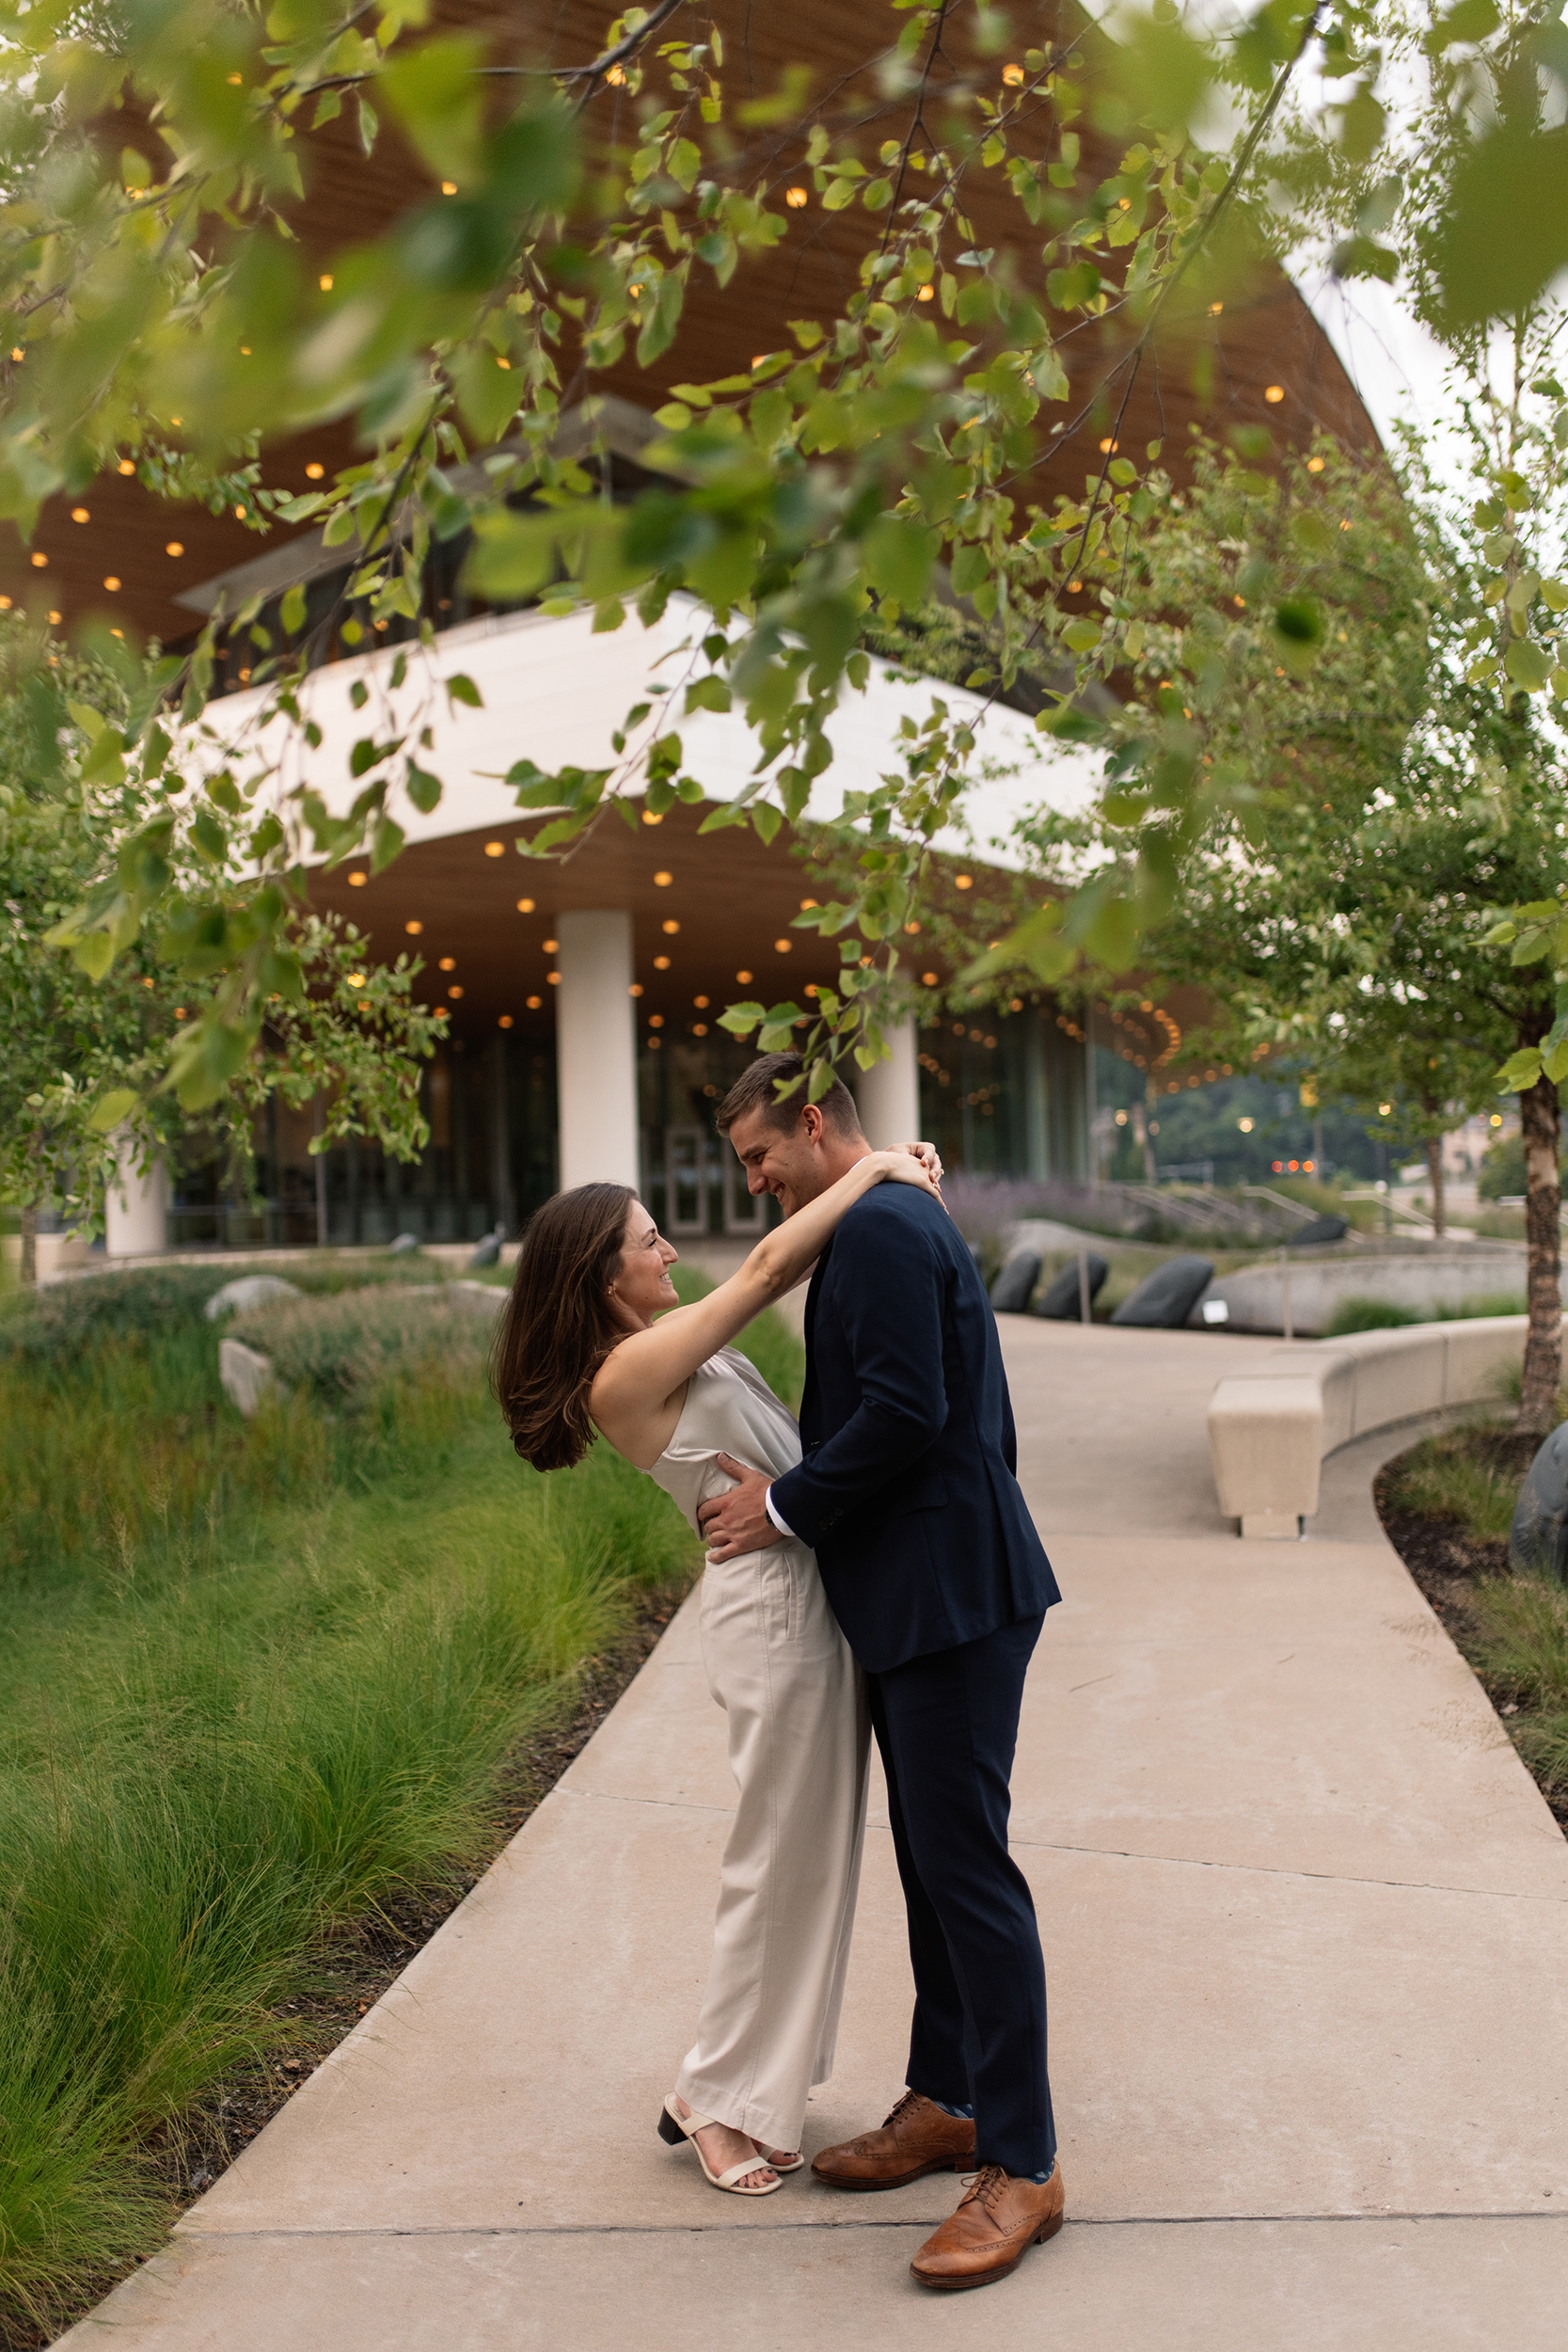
908, 1494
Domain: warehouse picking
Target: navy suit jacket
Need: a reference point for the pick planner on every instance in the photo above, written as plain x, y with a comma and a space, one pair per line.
907, 1491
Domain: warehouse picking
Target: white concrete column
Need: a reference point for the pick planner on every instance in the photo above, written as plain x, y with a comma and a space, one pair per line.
136, 1209
890, 1091
595, 1048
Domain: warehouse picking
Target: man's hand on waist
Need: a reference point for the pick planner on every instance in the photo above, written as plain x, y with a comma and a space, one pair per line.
738, 1521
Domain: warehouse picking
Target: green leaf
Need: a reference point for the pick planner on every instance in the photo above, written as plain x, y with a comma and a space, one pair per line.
461, 689
1471, 21
1526, 664
104, 762
741, 1019
971, 567
112, 1109
1506, 231
658, 328
292, 611
424, 789
513, 555
766, 819
1519, 1071
708, 693
897, 553
386, 842
93, 953
437, 93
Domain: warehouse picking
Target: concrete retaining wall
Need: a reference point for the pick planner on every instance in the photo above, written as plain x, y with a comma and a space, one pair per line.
1270, 1428
1427, 1283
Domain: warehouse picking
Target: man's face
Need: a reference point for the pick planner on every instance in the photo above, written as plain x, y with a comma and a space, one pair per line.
787, 1162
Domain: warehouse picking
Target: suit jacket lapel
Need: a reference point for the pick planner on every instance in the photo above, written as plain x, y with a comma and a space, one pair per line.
808, 1397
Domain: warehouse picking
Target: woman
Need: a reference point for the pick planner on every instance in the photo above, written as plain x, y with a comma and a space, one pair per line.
587, 1345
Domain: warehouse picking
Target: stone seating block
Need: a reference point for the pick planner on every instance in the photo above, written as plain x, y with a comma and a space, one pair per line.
1166, 1299
1062, 1299
1398, 1374
1321, 1229
1014, 1286
1480, 1352
1266, 1442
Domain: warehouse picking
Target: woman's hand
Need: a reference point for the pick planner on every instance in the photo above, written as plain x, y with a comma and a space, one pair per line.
929, 1158
902, 1167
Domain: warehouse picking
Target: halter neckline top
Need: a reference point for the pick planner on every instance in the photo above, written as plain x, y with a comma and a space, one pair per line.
729, 1409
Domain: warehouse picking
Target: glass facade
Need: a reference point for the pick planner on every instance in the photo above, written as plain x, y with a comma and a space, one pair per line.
1001, 1095
1006, 1094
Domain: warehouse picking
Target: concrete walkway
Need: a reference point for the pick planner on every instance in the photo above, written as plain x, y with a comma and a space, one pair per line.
1304, 1914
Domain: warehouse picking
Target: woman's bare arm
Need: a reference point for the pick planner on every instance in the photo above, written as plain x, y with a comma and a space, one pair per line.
636, 1394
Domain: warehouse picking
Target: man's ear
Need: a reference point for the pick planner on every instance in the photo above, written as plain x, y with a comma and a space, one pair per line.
811, 1119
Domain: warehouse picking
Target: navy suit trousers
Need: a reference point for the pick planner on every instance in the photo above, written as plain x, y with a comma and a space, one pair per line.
946, 1724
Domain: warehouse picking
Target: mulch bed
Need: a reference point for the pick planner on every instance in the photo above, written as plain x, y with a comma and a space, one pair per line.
1447, 1561
349, 1973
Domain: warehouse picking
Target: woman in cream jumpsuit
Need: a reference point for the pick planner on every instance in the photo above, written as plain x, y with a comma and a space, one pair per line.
589, 1344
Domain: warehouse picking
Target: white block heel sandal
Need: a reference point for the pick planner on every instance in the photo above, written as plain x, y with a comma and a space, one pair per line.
675, 2127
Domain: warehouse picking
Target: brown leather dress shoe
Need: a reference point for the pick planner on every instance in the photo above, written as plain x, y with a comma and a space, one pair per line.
998, 2219
918, 2137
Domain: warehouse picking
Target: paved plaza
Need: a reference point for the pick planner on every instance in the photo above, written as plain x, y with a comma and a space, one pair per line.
1304, 1915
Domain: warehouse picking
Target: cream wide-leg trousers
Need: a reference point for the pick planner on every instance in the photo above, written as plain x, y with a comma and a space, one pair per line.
799, 1742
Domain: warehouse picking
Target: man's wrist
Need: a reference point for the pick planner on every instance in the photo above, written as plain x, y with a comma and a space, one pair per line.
776, 1516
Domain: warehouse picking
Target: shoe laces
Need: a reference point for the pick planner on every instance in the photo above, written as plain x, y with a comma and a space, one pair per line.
909, 2099
984, 2186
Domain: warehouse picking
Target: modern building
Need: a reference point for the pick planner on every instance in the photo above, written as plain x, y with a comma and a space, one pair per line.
582, 994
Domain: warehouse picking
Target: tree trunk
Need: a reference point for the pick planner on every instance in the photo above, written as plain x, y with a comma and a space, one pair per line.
27, 1266
1540, 1120
1435, 1170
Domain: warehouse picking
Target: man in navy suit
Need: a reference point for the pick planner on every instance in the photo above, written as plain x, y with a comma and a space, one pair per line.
908, 1493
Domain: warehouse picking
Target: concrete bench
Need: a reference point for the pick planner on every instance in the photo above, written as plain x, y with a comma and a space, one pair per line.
1270, 1428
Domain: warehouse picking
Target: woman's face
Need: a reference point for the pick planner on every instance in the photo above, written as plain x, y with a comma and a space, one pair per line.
643, 1288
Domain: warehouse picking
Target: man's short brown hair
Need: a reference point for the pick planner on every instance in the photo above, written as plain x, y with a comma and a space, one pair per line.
754, 1090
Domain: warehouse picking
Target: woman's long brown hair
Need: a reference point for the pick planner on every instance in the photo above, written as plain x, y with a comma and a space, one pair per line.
558, 1327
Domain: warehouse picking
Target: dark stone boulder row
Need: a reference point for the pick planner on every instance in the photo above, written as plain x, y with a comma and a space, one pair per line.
1165, 1299
1014, 1286
1538, 1539
1323, 1228
1061, 1302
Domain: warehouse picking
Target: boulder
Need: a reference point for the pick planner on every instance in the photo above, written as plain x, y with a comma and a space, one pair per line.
1167, 1298
1061, 1302
247, 1291
403, 1244
247, 1376
1538, 1538
487, 1252
1014, 1286
1321, 1229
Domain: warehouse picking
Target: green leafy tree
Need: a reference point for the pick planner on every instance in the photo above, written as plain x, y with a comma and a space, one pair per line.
155, 284
1383, 804
89, 1064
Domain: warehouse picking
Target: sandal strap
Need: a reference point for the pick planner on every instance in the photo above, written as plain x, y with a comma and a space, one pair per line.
739, 2172
690, 2124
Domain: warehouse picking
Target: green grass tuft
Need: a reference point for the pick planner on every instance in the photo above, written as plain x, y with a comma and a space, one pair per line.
1441, 1479
1367, 1314
257, 1677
